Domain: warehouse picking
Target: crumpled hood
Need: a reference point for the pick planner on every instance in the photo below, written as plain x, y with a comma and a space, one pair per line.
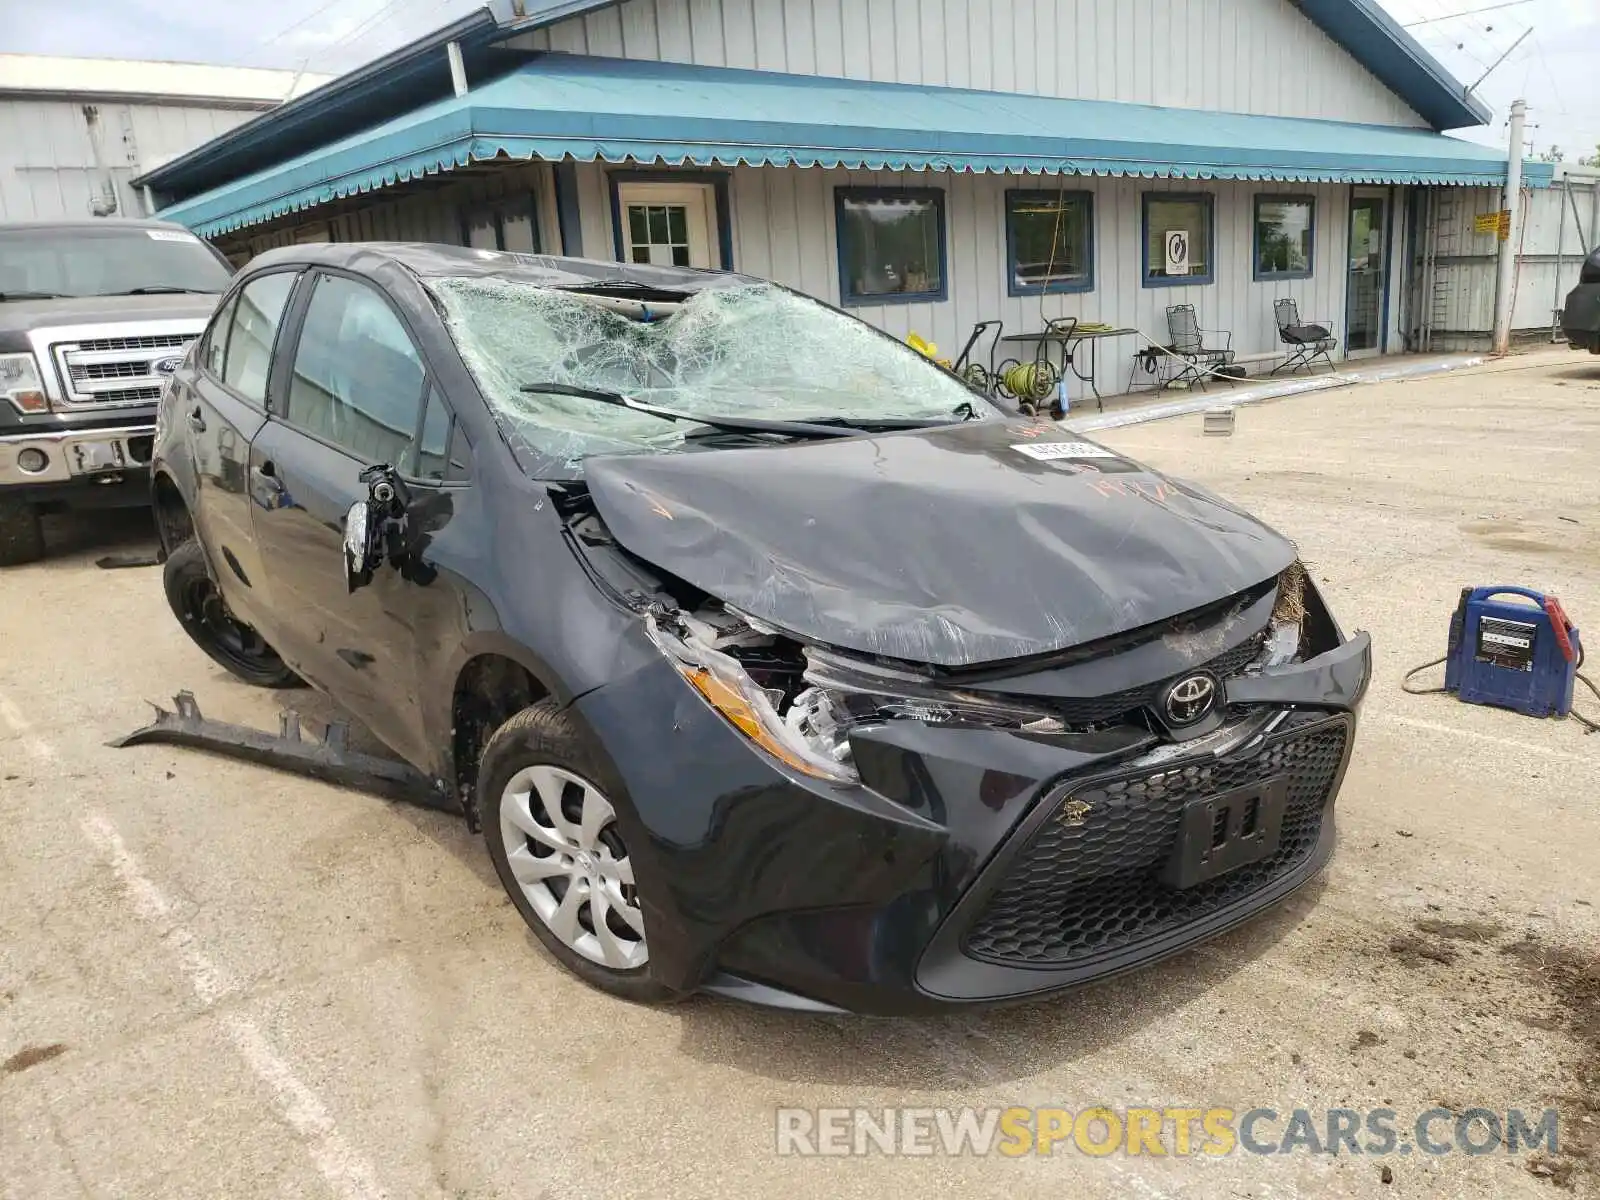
955, 546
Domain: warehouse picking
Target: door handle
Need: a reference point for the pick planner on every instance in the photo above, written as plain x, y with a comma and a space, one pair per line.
197, 419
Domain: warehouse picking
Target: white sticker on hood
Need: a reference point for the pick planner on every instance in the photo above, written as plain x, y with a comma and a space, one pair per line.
170, 235
1050, 451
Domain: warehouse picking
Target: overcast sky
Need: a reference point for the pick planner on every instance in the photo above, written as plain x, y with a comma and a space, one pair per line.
1555, 68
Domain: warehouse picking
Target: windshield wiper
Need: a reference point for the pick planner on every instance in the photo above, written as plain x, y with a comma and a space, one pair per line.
731, 424
888, 424
35, 296
162, 289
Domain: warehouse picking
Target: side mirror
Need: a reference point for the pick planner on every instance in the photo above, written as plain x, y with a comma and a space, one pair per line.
360, 557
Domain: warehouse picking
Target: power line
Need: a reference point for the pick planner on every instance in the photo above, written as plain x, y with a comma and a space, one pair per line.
365, 28
303, 21
1471, 12
1526, 34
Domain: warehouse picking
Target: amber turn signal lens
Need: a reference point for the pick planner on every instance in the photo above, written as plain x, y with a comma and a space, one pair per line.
727, 701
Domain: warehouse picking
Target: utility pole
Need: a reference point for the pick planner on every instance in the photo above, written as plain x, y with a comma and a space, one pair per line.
1508, 248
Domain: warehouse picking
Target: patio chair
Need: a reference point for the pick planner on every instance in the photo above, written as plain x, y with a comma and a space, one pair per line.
1199, 351
1306, 341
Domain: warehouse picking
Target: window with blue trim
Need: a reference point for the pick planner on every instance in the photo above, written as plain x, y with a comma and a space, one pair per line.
1284, 231
1179, 236
1049, 242
891, 245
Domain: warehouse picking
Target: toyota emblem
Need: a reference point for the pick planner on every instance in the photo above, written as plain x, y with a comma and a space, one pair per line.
1191, 699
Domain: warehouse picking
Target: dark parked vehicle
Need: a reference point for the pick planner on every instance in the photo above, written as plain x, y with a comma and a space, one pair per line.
774, 660
94, 317
1581, 320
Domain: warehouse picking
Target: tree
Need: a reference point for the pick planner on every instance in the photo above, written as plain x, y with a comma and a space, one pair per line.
1553, 155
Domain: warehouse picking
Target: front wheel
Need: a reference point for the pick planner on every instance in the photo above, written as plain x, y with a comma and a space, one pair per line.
553, 836
197, 603
21, 533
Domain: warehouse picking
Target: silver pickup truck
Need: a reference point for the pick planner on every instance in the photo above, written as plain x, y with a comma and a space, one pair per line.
95, 315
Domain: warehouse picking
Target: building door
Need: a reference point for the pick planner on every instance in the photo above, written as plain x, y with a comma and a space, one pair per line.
1369, 276
669, 224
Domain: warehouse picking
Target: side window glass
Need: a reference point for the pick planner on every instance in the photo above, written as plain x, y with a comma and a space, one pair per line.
460, 467
357, 377
216, 342
257, 314
434, 448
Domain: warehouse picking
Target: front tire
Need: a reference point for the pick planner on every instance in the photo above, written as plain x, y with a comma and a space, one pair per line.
21, 533
197, 603
553, 836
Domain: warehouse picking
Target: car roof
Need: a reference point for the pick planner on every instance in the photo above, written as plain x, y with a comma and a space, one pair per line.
91, 223
429, 260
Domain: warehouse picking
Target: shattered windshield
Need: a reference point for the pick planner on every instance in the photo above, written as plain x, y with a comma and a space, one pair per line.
753, 350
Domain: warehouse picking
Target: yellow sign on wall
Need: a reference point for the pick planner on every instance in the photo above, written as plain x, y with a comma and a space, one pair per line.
1498, 223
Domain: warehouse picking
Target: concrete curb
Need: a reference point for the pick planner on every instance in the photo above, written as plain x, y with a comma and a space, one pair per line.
1269, 391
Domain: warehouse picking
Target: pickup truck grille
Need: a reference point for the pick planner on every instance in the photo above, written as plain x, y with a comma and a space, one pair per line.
116, 370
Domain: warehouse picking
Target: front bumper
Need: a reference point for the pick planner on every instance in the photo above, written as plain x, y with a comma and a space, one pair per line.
89, 457
952, 877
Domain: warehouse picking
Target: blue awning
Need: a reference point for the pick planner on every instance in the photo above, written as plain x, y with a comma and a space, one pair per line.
560, 106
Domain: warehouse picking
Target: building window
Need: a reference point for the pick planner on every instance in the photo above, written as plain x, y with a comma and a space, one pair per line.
672, 219
1284, 229
1049, 242
891, 245
1178, 234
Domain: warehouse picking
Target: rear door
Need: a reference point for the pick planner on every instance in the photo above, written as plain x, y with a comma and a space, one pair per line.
353, 398
223, 411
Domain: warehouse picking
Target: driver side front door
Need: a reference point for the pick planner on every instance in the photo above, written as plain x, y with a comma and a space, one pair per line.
353, 399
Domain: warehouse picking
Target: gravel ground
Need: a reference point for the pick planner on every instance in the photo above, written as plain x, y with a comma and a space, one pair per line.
220, 981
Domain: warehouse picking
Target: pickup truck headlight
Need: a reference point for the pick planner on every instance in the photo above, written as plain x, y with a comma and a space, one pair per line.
21, 384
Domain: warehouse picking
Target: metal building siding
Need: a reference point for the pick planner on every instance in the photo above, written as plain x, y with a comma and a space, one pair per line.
47, 162
1469, 270
435, 215
784, 228
1249, 56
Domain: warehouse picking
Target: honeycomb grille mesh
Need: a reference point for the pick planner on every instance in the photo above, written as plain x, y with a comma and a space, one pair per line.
1081, 890
1092, 710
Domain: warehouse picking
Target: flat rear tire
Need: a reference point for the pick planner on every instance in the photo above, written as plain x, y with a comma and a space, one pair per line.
197, 602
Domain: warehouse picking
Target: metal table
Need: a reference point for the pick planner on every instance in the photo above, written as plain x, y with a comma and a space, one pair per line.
1071, 343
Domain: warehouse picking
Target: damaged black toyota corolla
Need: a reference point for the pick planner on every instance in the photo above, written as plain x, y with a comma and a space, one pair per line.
773, 660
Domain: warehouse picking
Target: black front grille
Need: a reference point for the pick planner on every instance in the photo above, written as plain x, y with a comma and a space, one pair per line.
1092, 710
1087, 883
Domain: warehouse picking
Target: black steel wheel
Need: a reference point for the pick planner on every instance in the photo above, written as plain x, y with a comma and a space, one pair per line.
197, 603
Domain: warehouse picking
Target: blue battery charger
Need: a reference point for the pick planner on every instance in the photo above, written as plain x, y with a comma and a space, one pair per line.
1522, 654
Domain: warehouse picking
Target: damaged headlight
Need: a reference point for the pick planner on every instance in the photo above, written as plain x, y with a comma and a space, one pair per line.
806, 702
728, 687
